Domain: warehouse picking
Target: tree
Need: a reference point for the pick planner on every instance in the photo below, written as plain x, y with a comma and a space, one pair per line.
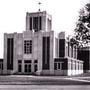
82, 30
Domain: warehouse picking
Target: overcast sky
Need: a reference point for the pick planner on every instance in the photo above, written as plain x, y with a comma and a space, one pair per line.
12, 15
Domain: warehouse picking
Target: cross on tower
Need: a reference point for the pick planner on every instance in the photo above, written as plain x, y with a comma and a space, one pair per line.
39, 3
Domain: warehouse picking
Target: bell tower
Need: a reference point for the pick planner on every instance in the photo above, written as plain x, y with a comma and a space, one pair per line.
38, 21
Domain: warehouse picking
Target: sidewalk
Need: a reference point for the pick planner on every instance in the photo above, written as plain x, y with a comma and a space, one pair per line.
41, 80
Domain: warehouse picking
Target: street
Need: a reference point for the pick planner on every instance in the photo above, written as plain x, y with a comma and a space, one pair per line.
44, 87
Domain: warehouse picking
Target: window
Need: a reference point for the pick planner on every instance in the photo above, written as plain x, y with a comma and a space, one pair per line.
40, 23
35, 61
30, 23
35, 68
61, 47
1, 65
58, 66
46, 53
25, 69
71, 65
72, 51
68, 48
56, 46
28, 46
75, 65
19, 66
75, 52
55, 66
37, 23
35, 65
10, 46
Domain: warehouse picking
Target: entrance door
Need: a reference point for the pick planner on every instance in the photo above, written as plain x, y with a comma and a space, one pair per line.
27, 66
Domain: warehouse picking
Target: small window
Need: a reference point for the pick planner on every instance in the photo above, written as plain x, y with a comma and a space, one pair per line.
35, 67
19, 61
35, 61
58, 66
19, 68
1, 65
55, 66
29, 68
25, 68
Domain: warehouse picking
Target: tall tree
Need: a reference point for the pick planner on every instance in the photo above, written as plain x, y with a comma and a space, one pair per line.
82, 30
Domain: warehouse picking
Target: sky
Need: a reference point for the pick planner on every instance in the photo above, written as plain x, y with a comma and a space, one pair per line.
13, 12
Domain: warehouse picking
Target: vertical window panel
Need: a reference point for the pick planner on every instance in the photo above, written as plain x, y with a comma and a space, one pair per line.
37, 23
61, 47
40, 23
28, 46
30, 23
19, 66
46, 53
55, 66
10, 47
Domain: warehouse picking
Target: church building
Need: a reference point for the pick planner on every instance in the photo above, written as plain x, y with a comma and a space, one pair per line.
39, 50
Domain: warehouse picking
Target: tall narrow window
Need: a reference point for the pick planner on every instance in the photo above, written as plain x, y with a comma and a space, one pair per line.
30, 23
19, 66
68, 48
71, 65
1, 64
75, 52
10, 47
72, 51
37, 23
55, 66
61, 47
25, 68
59, 64
40, 23
28, 46
46, 53
35, 65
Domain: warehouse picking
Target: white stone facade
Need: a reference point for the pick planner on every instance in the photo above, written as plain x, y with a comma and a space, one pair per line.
38, 50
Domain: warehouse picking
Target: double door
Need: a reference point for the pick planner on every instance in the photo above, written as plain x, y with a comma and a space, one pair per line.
27, 67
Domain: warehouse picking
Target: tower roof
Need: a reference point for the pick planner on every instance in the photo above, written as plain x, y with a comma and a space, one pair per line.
40, 13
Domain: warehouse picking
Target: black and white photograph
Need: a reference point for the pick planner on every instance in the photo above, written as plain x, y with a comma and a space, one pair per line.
44, 44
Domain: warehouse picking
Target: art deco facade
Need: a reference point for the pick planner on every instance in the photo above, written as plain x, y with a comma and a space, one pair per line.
39, 50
